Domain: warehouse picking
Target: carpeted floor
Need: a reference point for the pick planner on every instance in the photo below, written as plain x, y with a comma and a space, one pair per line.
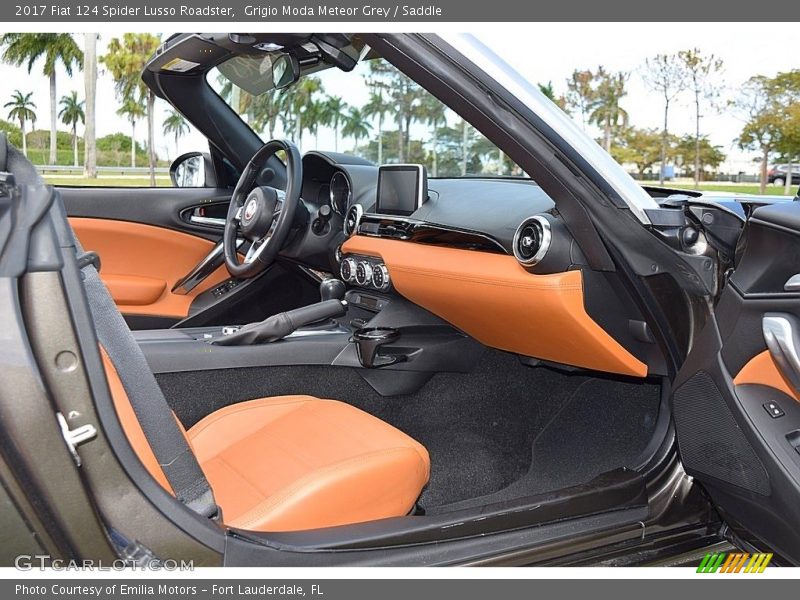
503, 431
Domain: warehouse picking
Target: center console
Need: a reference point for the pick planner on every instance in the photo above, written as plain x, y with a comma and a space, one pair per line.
395, 346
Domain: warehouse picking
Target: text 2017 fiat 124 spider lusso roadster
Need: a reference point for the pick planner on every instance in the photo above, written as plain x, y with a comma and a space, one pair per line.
317, 360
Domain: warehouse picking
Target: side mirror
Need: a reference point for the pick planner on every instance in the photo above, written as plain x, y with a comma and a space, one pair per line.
193, 169
285, 71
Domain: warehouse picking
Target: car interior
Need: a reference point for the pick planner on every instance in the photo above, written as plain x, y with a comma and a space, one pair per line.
335, 342
466, 357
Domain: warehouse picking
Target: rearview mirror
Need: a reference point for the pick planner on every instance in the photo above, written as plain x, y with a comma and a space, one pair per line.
285, 71
193, 169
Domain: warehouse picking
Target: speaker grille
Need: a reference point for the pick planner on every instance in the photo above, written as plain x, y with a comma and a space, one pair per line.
710, 440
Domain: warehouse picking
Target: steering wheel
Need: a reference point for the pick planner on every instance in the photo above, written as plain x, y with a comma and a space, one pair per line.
261, 215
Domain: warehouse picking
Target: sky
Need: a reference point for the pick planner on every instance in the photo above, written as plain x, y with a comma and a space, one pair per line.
541, 52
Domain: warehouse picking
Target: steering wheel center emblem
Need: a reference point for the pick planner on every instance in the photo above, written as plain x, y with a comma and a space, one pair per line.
250, 209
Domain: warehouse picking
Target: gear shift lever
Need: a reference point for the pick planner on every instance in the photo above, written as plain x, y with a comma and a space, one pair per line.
332, 289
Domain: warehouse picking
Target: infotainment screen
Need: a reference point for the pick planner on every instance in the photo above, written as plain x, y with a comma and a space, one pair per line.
402, 189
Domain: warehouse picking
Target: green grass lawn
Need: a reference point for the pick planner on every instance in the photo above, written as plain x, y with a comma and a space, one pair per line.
161, 181
772, 190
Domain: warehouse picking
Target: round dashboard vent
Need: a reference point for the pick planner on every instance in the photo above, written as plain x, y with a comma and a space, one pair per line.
352, 219
532, 240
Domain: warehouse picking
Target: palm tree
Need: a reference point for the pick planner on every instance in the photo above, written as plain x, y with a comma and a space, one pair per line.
267, 109
175, 124
21, 107
90, 88
300, 98
315, 117
72, 112
28, 48
433, 113
356, 125
377, 108
406, 98
125, 60
133, 109
606, 112
333, 113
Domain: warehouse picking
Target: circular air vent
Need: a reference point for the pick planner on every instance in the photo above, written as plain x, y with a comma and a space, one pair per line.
352, 219
532, 240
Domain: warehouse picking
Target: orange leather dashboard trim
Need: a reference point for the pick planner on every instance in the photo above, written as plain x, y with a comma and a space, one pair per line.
762, 370
140, 264
493, 299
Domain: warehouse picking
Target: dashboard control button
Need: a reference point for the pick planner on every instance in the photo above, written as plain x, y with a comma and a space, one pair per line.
363, 273
347, 270
773, 410
380, 277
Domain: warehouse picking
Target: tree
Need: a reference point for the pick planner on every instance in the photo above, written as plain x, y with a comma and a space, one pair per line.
466, 144
71, 112
434, 114
701, 152
664, 73
175, 124
332, 114
355, 125
548, 91
22, 107
125, 60
406, 97
786, 90
641, 147
377, 108
90, 93
605, 111
54, 48
267, 109
580, 92
133, 109
701, 77
301, 116
761, 131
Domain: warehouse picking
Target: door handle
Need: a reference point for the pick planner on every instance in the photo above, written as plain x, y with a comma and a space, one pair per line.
792, 284
783, 344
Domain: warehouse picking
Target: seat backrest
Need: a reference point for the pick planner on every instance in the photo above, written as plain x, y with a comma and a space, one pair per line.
157, 437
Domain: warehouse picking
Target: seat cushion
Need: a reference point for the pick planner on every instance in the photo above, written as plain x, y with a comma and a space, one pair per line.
298, 462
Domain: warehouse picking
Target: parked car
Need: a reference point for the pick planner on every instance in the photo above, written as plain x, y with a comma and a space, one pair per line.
317, 360
779, 173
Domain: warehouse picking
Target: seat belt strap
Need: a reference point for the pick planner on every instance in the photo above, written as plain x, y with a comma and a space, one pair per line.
168, 443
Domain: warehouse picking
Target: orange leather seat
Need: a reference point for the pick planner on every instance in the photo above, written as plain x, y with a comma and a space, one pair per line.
298, 462
293, 462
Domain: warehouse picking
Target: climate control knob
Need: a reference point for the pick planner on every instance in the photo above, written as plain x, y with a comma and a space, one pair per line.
347, 270
380, 277
363, 273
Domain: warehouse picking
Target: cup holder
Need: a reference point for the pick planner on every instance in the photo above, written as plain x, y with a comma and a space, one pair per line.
368, 341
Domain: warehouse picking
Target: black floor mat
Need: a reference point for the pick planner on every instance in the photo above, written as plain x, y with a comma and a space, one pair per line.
479, 427
604, 425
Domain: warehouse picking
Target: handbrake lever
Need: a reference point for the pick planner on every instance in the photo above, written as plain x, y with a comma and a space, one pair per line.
278, 326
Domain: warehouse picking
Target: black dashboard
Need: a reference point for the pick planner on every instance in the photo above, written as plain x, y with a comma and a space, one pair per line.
478, 213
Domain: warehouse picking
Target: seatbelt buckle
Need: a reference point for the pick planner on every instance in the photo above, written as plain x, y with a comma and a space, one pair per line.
89, 258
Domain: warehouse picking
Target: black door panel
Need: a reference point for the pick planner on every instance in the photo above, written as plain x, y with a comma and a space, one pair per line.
737, 418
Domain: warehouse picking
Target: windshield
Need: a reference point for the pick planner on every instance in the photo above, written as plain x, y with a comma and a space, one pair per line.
374, 112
